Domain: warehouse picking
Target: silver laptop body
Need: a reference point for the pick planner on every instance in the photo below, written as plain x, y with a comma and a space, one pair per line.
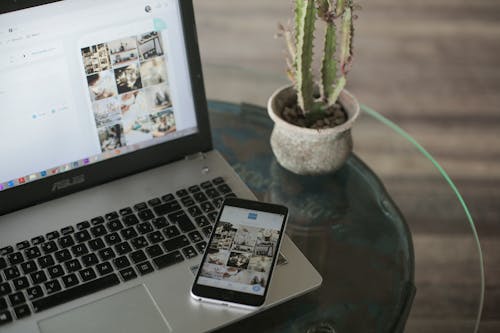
121, 175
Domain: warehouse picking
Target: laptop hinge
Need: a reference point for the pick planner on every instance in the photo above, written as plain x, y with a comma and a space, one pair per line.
195, 156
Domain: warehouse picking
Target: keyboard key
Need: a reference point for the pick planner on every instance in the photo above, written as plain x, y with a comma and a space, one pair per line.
194, 211
201, 246
70, 280
202, 221
138, 256
145, 227
22, 311
114, 225
218, 202
218, 181
207, 207
79, 249
130, 220
76, 292
55, 271
32, 252
168, 197
28, 267
140, 206
52, 286
21, 283
52, 235
38, 277
154, 202
49, 247
106, 254
66, 241
126, 211
67, 230
23, 245
123, 248
212, 193
146, 214
5, 289
224, 189
195, 236
182, 193
73, 266
194, 188
87, 274
167, 208
3, 263
83, 225
6, 250
189, 252
82, 236
98, 231
96, 244
112, 239
129, 233
171, 231
121, 262
111, 216
17, 298
89, 260
187, 201
15, 258
128, 274
155, 237
182, 221
200, 197
5, 317
37, 240
34, 292
160, 222
207, 231
46, 261
175, 243
206, 185
154, 251
3, 304
139, 242
104, 268
11, 273
97, 220
212, 216
145, 268
168, 259
63, 255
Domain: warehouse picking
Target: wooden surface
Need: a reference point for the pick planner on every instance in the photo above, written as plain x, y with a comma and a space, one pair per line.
431, 66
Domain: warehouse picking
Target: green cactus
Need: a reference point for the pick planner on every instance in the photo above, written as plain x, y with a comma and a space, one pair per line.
333, 71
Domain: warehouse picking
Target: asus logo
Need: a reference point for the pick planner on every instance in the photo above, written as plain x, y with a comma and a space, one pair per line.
68, 182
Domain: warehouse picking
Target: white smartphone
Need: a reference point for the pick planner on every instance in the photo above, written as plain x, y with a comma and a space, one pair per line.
241, 254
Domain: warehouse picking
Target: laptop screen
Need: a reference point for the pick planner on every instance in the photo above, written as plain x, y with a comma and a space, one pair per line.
83, 81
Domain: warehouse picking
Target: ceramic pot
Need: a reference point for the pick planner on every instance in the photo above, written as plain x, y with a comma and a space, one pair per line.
307, 151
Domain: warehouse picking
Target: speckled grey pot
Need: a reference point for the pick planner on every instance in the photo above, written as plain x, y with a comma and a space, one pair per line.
306, 151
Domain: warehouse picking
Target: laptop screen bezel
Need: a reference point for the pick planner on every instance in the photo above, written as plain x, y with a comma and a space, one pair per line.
95, 174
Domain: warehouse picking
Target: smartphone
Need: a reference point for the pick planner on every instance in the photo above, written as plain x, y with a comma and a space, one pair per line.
241, 254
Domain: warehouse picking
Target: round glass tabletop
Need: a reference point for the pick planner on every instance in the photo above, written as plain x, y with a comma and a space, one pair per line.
389, 232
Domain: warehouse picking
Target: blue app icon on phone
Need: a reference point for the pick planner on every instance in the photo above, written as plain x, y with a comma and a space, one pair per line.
252, 216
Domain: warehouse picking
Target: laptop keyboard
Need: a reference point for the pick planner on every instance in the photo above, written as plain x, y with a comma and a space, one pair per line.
104, 251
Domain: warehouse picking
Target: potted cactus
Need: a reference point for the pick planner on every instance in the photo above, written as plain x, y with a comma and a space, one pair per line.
313, 118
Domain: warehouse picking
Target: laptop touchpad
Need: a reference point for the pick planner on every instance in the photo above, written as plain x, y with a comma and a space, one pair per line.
132, 310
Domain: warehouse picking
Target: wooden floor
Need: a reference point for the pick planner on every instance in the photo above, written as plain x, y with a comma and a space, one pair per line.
433, 67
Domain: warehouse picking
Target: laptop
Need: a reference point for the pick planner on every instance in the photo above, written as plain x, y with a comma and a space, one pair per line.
109, 183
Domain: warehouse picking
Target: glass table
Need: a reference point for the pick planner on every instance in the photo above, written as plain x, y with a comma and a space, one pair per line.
389, 232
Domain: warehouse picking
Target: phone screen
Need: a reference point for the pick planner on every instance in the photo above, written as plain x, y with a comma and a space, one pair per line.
242, 250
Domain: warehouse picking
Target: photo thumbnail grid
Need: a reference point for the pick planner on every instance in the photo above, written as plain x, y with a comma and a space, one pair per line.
240, 253
129, 89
